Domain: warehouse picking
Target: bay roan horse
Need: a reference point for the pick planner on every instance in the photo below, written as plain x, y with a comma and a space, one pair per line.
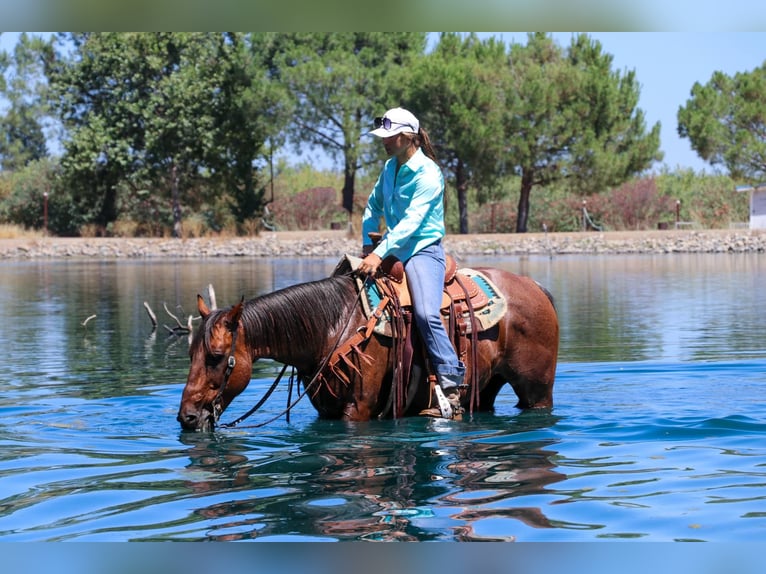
303, 324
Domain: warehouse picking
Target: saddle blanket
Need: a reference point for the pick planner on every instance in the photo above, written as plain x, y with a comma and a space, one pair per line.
487, 316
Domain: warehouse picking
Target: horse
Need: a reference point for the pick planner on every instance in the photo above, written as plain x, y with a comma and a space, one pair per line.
302, 325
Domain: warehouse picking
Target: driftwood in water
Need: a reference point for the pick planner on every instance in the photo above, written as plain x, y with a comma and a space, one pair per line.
179, 327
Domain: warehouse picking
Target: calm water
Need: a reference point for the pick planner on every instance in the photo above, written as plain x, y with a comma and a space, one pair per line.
658, 433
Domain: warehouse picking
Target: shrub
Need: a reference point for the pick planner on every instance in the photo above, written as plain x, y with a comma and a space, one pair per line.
194, 225
637, 204
312, 209
24, 199
716, 205
494, 217
150, 214
123, 228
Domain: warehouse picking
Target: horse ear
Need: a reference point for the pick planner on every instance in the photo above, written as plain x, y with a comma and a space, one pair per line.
201, 307
232, 317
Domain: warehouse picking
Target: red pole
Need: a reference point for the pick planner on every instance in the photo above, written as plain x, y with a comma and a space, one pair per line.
45, 213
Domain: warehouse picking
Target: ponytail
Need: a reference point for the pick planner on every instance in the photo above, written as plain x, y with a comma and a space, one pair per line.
425, 143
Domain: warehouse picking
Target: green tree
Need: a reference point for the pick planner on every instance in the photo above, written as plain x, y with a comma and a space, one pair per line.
262, 107
28, 188
339, 82
23, 86
725, 121
456, 92
573, 118
173, 113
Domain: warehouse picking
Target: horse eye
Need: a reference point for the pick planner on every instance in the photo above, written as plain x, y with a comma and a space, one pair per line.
213, 360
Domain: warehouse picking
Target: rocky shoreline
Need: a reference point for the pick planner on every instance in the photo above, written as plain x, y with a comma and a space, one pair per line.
336, 243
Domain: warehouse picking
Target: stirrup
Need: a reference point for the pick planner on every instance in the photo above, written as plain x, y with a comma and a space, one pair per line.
444, 405
445, 409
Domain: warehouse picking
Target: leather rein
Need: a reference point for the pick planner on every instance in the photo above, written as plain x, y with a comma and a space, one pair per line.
231, 362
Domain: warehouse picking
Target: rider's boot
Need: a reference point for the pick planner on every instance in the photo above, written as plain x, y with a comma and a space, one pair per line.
447, 397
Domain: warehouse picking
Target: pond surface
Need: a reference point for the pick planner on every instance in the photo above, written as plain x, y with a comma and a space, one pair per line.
658, 431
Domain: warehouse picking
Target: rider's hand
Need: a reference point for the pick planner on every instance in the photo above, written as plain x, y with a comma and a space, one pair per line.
370, 264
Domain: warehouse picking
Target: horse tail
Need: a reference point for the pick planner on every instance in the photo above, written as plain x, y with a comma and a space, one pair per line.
548, 294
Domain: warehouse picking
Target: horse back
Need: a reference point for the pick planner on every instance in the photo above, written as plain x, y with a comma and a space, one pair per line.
531, 307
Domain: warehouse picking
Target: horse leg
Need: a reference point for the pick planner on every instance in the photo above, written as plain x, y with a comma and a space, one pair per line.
530, 367
534, 372
533, 394
489, 393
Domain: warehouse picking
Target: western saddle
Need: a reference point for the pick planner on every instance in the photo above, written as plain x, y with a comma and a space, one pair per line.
461, 298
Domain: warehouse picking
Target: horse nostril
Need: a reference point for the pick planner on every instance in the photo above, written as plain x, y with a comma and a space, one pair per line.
187, 419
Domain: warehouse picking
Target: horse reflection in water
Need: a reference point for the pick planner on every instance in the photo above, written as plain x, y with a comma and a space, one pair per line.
354, 485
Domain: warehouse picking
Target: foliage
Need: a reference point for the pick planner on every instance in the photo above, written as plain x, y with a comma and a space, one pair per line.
725, 121
642, 203
174, 132
25, 201
22, 139
456, 92
147, 213
573, 119
637, 204
494, 217
289, 180
709, 201
337, 83
177, 113
311, 209
632, 206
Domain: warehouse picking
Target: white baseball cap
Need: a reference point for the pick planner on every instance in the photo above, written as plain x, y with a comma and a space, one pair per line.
395, 121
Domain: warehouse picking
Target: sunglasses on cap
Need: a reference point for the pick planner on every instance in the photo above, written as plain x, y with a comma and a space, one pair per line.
387, 123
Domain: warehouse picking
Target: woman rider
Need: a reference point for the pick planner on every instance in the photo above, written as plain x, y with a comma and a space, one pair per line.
409, 196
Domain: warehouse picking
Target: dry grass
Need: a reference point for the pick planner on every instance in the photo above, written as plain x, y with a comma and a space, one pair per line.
8, 231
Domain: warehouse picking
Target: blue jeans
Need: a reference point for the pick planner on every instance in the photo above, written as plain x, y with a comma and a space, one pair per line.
425, 275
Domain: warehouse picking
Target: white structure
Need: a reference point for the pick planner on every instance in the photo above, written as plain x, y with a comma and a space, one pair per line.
757, 204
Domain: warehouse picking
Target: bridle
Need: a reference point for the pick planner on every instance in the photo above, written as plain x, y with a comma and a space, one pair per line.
231, 362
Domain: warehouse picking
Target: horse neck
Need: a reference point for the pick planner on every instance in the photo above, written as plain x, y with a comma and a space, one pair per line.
298, 325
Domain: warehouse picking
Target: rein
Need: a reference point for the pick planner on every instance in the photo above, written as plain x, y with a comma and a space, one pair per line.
258, 405
290, 405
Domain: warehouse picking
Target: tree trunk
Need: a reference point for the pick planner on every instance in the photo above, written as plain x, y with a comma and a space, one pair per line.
523, 209
348, 188
349, 177
461, 182
175, 201
108, 212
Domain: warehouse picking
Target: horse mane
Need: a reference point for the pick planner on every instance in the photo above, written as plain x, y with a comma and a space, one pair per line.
305, 313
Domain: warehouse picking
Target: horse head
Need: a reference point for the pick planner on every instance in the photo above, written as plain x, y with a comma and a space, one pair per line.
220, 368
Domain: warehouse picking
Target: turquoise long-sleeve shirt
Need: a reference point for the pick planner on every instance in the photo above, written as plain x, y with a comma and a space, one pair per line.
411, 202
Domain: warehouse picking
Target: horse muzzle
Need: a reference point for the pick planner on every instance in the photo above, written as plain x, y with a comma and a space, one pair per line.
192, 419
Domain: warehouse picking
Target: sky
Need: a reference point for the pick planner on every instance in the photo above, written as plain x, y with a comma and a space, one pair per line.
667, 64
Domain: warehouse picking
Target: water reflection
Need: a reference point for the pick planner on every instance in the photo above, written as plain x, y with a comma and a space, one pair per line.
91, 449
412, 480
652, 307
631, 307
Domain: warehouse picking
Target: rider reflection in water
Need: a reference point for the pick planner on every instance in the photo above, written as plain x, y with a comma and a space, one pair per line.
409, 196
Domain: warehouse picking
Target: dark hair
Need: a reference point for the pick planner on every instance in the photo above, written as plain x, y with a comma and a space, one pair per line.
422, 140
